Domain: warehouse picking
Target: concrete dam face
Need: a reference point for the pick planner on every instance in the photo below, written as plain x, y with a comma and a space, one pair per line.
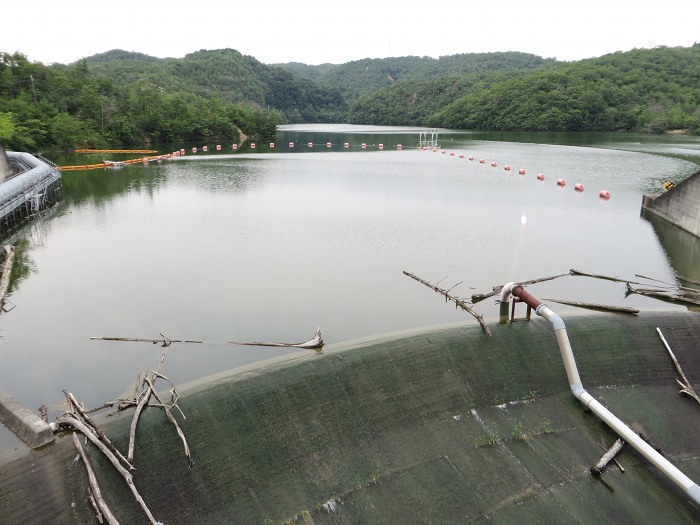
679, 206
438, 426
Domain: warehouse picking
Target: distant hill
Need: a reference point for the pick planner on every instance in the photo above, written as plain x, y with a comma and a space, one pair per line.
359, 77
651, 90
126, 98
228, 74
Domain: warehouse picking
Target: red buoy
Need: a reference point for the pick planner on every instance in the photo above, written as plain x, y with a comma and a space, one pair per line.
493, 164
471, 157
272, 145
482, 161
578, 186
399, 147
381, 146
461, 155
310, 144
346, 145
218, 147
328, 144
507, 167
252, 145
540, 176
604, 194
291, 144
561, 182
521, 171
205, 148
194, 150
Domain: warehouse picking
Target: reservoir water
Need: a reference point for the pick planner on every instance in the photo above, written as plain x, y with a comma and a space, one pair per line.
271, 243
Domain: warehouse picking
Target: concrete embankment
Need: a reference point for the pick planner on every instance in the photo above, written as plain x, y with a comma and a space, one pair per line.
679, 206
442, 426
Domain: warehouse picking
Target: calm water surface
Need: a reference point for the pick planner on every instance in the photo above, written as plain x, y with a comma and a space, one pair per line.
267, 245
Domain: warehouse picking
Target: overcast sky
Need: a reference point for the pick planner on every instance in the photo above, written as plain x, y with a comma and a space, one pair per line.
339, 31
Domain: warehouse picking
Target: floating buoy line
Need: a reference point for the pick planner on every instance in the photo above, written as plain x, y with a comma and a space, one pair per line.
561, 182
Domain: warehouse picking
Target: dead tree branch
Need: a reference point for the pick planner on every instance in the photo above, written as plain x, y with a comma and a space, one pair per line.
497, 289
458, 302
686, 387
96, 494
593, 306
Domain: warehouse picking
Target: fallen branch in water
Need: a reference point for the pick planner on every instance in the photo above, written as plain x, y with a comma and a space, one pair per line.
686, 387
686, 279
458, 302
477, 297
666, 295
593, 306
598, 276
315, 343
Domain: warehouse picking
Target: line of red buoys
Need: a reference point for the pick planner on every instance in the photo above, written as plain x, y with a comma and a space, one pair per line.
579, 187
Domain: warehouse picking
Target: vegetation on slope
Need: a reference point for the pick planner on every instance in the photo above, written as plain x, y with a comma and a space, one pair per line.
120, 98
643, 90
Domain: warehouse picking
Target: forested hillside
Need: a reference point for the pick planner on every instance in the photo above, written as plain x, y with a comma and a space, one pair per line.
643, 90
120, 98
360, 77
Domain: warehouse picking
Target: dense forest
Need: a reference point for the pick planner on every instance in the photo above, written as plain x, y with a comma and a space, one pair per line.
121, 99
652, 90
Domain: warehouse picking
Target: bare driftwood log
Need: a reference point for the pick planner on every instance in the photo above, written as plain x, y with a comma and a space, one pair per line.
75, 406
458, 302
593, 306
598, 468
598, 276
686, 387
315, 343
6, 271
71, 420
477, 297
95, 492
145, 396
172, 419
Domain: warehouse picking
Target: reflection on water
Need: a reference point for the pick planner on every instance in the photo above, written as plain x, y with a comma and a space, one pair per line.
682, 248
268, 246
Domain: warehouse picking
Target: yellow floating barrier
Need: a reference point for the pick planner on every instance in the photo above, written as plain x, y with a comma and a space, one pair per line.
106, 165
115, 151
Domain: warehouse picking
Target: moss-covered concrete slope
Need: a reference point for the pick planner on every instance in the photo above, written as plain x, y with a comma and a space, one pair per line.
446, 426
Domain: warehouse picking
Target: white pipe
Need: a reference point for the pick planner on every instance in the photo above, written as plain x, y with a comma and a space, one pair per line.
626, 433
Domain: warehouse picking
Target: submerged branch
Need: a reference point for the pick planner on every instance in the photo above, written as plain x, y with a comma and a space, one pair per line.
458, 302
666, 295
593, 306
315, 343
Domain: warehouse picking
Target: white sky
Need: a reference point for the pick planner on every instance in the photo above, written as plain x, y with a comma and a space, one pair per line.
339, 31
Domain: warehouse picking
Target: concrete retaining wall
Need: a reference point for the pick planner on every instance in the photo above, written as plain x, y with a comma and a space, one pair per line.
679, 206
